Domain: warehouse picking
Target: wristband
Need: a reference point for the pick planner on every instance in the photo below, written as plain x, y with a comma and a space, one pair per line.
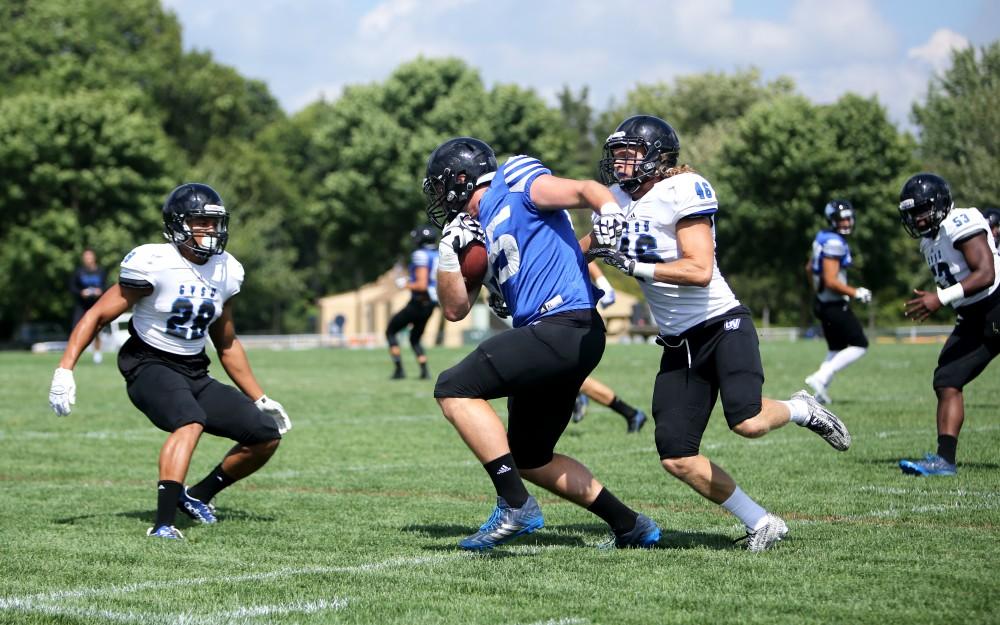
447, 258
644, 270
610, 208
603, 284
952, 293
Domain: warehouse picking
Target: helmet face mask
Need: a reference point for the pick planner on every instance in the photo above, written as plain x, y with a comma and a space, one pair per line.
195, 218
637, 151
838, 211
924, 203
454, 170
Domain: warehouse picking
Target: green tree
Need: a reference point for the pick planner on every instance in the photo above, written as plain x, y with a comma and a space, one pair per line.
86, 169
786, 160
960, 126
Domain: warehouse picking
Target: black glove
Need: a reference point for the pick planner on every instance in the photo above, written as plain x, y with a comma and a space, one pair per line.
499, 306
612, 258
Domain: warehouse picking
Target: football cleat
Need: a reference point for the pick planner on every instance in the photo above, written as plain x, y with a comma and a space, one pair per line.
645, 535
932, 464
819, 389
196, 509
771, 533
165, 531
825, 423
504, 525
637, 421
398, 375
580, 408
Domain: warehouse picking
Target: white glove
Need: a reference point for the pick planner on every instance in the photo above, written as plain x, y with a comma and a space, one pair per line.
276, 411
608, 227
62, 393
863, 295
461, 231
609, 292
401, 283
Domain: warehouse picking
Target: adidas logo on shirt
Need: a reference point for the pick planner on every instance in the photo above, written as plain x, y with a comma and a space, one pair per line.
503, 469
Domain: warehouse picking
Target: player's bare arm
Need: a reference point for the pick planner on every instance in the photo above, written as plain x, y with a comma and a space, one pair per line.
978, 256
550, 192
232, 355
113, 303
455, 298
831, 278
697, 255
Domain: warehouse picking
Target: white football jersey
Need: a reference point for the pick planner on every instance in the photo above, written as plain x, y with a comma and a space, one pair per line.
186, 297
948, 263
650, 236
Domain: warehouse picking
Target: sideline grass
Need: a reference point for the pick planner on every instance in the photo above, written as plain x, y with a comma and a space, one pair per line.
357, 517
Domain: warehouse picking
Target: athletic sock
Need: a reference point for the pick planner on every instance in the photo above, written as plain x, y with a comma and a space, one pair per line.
167, 494
798, 410
947, 447
620, 517
507, 480
209, 487
745, 509
424, 373
622, 408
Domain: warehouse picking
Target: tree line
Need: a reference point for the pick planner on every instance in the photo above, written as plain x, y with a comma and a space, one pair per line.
102, 112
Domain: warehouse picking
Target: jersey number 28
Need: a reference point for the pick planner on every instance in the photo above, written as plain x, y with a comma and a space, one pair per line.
188, 324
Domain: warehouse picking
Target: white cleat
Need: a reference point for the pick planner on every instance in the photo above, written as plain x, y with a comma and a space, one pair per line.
818, 389
771, 533
825, 423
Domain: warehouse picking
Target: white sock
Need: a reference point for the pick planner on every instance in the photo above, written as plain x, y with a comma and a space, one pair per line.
845, 357
824, 375
746, 509
798, 410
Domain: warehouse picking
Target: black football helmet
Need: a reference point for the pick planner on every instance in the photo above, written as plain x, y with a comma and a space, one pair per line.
837, 211
992, 215
454, 170
423, 236
924, 203
194, 199
654, 138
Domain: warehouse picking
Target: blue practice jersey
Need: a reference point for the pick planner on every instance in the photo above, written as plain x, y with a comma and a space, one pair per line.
830, 244
533, 254
426, 257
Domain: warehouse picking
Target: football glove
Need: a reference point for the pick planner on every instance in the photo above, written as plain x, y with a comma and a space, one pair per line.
613, 258
608, 226
461, 231
276, 411
62, 393
863, 295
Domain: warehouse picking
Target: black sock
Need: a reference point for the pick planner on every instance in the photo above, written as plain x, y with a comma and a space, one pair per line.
211, 485
622, 408
167, 494
423, 369
620, 517
947, 447
507, 480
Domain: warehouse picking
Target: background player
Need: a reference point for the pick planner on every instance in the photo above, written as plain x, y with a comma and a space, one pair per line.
181, 293
960, 252
422, 284
86, 286
831, 256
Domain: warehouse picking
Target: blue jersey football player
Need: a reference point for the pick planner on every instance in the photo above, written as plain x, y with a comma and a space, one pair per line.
517, 210
422, 283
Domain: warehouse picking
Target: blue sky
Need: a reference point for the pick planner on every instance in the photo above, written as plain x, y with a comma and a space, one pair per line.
307, 49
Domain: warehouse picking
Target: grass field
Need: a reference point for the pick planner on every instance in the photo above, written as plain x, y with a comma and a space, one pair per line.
357, 517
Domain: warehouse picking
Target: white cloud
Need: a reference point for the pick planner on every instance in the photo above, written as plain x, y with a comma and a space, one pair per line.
937, 51
387, 15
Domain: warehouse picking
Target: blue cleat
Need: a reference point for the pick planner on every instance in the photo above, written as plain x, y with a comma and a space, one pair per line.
196, 509
504, 525
932, 464
637, 421
645, 535
165, 531
580, 408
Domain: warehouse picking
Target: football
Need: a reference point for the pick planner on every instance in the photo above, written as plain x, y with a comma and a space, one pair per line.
472, 260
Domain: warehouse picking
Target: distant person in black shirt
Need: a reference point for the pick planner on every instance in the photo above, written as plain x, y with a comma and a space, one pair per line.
87, 286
